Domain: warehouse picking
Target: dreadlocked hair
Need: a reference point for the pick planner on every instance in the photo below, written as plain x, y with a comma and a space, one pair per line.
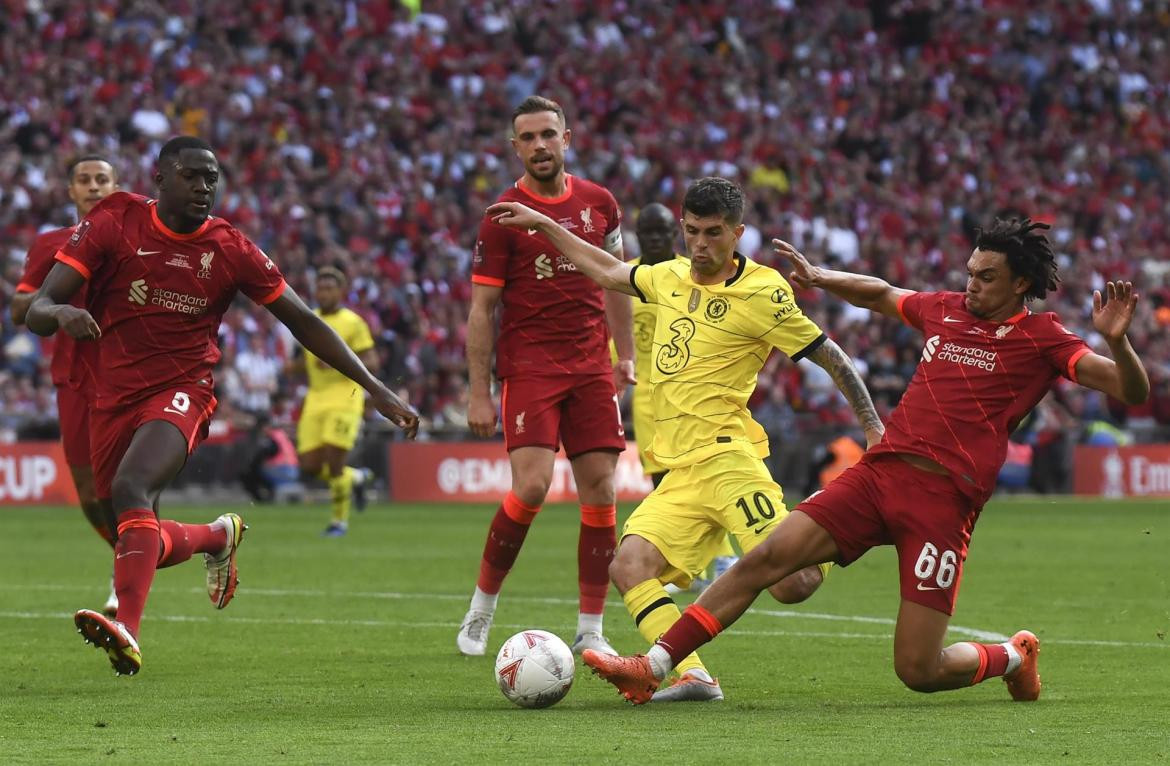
1029, 253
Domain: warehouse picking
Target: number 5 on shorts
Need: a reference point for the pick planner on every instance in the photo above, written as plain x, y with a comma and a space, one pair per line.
930, 560
180, 403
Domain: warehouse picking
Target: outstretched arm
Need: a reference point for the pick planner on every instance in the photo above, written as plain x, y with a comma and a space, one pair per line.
1123, 377
840, 367
867, 292
318, 337
50, 310
595, 263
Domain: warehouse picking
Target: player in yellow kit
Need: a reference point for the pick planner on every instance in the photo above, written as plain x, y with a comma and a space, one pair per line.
331, 417
719, 316
657, 230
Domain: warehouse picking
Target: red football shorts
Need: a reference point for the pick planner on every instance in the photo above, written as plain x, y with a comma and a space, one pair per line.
189, 409
73, 413
582, 410
883, 500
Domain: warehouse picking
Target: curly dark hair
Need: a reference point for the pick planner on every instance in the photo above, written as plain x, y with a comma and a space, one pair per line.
1028, 252
715, 196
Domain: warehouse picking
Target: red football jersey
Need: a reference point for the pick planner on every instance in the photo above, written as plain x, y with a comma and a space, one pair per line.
159, 295
553, 320
975, 382
73, 362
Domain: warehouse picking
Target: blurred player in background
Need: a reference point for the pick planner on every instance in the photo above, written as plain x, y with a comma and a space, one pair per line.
553, 360
331, 417
986, 362
657, 230
719, 317
91, 179
160, 275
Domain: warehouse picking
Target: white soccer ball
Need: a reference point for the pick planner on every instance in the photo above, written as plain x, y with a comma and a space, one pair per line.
535, 669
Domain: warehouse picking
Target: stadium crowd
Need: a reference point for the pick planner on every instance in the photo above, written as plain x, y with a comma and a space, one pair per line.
371, 135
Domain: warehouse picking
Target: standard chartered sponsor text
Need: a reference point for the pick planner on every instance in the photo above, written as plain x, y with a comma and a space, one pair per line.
971, 356
173, 300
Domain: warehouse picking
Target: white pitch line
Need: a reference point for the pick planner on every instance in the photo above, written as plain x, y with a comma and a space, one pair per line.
976, 633
320, 621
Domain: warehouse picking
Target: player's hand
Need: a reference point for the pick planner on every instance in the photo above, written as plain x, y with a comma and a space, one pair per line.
396, 411
481, 416
804, 274
77, 323
623, 375
516, 215
1112, 315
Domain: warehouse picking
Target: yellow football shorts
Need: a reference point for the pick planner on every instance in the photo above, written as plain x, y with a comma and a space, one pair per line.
324, 422
689, 515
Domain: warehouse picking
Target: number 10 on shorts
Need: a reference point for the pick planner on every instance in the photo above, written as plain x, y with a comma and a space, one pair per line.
942, 568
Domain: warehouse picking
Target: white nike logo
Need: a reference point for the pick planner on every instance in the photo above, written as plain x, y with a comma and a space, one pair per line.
951, 319
148, 252
168, 409
927, 587
127, 553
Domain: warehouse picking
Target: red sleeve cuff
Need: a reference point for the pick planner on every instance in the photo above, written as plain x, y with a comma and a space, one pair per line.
270, 297
902, 311
480, 279
25, 287
70, 261
1072, 364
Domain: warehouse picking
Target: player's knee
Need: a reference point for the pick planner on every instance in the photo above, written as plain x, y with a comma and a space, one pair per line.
129, 490
917, 675
797, 586
87, 495
627, 570
599, 491
530, 490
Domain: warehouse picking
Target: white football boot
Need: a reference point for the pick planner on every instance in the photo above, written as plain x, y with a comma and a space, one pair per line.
592, 640
473, 632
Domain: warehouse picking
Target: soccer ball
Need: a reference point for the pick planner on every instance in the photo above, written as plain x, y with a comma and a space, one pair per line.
534, 669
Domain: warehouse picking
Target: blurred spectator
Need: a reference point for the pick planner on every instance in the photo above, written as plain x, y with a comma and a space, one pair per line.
876, 136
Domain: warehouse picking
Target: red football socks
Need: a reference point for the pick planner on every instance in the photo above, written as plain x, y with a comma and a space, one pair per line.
993, 661
696, 627
135, 559
595, 548
505, 536
181, 541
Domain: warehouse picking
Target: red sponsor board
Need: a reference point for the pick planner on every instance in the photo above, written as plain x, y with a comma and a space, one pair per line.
32, 473
1141, 471
479, 472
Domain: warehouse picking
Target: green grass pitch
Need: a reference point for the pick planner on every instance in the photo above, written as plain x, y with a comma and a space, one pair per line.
343, 651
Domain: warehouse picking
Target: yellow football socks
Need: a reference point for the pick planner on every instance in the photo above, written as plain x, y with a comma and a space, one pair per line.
654, 611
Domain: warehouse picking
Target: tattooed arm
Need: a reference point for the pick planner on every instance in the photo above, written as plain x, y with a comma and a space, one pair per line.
840, 367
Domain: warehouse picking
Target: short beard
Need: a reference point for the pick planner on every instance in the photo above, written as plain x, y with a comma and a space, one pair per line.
556, 169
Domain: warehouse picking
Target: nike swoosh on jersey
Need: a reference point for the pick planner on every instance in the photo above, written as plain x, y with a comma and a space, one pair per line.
168, 409
927, 587
675, 295
951, 319
148, 252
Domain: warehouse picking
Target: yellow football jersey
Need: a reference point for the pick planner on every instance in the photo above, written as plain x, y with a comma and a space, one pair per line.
324, 381
710, 342
645, 316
